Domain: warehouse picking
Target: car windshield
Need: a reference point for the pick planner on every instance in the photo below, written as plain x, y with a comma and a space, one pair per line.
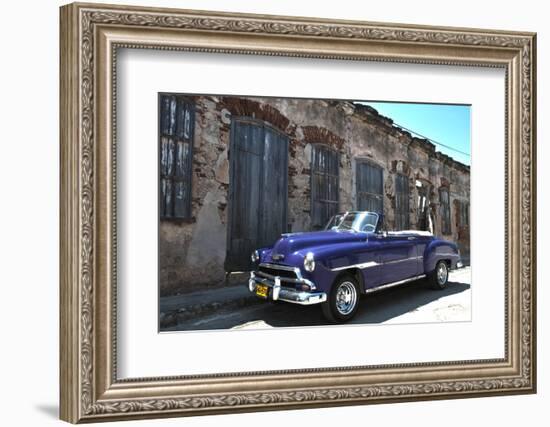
357, 221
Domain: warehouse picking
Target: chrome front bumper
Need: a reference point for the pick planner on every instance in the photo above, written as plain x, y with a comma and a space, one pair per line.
279, 293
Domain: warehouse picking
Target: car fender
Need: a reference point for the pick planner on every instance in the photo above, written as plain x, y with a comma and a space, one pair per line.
437, 250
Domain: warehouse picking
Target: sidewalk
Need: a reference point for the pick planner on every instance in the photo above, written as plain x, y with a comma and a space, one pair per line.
178, 308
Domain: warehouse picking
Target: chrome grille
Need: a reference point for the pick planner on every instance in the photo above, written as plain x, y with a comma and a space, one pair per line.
273, 270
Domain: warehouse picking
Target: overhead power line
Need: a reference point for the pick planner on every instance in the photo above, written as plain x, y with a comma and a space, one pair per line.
420, 135
431, 140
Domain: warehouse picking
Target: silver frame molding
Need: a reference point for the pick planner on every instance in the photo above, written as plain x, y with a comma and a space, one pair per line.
90, 37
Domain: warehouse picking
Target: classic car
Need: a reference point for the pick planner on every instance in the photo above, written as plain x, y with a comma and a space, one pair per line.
355, 255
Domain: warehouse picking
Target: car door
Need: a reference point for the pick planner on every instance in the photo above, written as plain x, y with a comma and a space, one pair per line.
397, 254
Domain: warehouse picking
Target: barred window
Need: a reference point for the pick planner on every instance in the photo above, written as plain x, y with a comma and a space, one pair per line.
324, 185
369, 187
445, 209
176, 129
401, 202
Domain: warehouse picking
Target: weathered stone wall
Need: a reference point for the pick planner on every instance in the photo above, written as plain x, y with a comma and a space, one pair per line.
192, 252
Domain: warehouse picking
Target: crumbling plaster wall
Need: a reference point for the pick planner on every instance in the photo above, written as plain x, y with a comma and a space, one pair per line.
192, 252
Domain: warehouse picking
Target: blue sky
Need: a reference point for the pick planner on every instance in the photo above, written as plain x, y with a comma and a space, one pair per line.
441, 123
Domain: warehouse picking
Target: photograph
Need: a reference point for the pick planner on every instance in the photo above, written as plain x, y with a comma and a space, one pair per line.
294, 212
268, 212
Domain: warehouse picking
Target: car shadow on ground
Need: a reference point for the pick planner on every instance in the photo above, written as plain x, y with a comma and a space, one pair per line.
376, 307
385, 305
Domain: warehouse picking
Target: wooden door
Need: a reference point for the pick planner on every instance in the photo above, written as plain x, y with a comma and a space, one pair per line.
324, 185
257, 190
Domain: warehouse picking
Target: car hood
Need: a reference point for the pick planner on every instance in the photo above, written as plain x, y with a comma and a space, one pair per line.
291, 243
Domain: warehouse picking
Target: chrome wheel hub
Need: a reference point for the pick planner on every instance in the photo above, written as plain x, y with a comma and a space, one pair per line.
442, 273
346, 298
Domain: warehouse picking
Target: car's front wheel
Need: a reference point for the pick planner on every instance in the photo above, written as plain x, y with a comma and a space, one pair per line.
439, 277
343, 300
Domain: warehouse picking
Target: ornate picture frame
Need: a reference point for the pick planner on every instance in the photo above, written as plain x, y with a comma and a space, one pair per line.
90, 37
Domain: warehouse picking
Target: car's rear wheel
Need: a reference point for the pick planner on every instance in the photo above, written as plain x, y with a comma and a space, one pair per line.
343, 300
439, 277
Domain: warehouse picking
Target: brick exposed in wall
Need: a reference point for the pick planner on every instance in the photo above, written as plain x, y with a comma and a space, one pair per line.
250, 108
315, 134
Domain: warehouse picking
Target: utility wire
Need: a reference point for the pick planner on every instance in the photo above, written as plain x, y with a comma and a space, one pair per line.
431, 140
418, 134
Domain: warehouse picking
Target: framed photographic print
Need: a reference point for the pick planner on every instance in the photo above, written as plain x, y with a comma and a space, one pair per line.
328, 183
266, 212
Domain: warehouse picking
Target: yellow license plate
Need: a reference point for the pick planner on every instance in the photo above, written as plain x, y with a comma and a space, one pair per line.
262, 290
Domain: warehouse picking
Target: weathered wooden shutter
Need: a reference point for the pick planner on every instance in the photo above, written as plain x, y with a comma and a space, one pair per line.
257, 190
244, 189
445, 209
369, 187
464, 213
176, 127
401, 202
324, 185
274, 186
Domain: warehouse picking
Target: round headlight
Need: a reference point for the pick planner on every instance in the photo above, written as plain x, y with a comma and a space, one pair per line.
309, 262
255, 256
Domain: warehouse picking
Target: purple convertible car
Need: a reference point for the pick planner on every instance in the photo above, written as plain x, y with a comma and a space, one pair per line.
355, 255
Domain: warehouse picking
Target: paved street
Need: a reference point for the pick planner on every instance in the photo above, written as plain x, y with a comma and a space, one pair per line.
409, 303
